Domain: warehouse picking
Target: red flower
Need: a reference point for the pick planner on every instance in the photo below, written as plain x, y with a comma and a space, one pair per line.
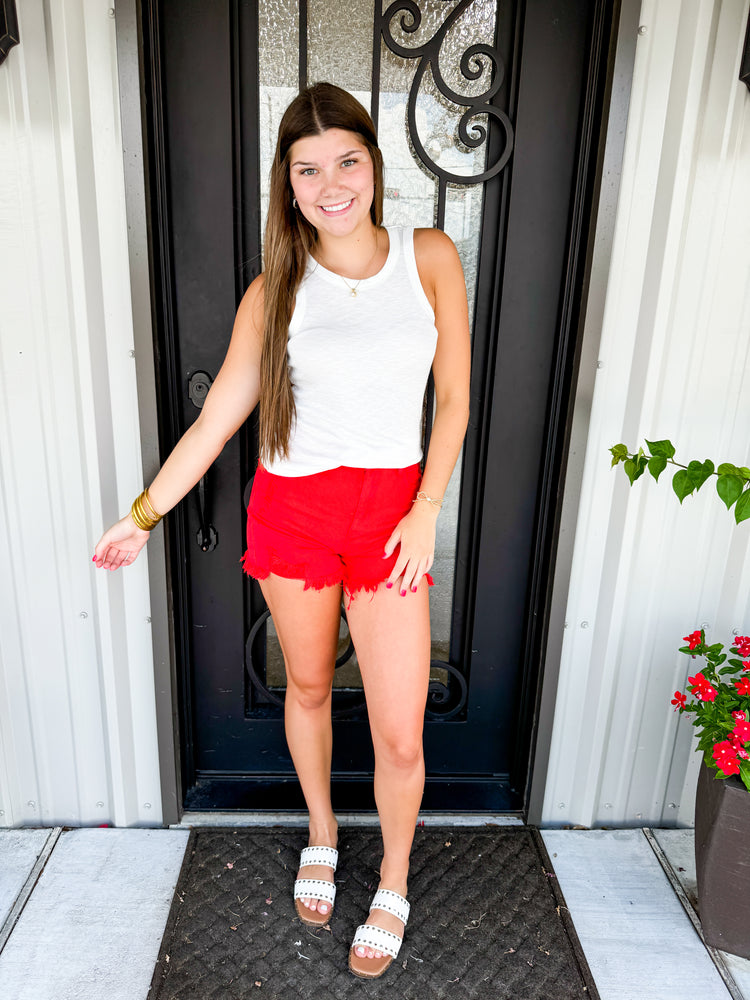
741, 732
694, 639
738, 716
726, 758
679, 701
743, 753
743, 686
742, 642
701, 688
746, 664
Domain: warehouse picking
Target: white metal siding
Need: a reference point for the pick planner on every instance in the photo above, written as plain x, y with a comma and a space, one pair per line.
673, 363
77, 719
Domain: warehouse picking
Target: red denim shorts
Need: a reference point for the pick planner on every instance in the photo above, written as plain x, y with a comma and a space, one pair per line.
327, 528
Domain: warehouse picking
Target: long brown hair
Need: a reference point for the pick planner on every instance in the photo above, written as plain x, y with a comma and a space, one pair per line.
290, 238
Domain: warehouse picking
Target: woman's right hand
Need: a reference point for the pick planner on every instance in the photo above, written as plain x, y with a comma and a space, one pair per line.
120, 545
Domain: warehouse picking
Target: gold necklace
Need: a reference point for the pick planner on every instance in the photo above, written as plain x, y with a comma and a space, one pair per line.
353, 288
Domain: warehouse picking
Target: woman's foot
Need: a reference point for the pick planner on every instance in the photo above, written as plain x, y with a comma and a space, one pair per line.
325, 835
387, 921
389, 912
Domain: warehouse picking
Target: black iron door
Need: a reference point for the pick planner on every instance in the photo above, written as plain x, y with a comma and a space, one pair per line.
487, 116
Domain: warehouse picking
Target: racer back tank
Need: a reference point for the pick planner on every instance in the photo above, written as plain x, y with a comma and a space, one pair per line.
359, 366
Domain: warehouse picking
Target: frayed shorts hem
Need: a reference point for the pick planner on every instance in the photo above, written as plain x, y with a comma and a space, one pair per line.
289, 572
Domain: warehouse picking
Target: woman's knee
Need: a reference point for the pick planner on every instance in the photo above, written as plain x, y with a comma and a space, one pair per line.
400, 750
309, 695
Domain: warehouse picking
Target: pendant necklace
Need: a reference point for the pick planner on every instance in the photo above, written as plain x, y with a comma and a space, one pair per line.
353, 288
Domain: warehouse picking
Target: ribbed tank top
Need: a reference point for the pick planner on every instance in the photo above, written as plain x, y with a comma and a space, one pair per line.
359, 366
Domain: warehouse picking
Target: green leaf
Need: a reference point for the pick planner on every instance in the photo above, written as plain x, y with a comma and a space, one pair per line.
619, 454
727, 469
635, 467
682, 485
699, 472
728, 670
744, 472
656, 466
662, 449
742, 510
745, 773
729, 487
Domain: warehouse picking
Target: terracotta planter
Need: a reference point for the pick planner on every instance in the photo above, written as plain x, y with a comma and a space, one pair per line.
722, 860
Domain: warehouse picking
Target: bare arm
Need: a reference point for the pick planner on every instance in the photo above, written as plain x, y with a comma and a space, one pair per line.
443, 281
231, 399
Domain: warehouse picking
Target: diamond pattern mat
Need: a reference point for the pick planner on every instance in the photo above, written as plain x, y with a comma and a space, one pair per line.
487, 920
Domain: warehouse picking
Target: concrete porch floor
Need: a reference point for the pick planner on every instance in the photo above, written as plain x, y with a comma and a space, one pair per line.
82, 912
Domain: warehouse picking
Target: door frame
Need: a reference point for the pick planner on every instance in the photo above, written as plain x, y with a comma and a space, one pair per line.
604, 121
599, 239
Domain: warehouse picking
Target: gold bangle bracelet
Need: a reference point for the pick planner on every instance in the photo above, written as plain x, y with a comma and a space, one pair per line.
146, 499
140, 515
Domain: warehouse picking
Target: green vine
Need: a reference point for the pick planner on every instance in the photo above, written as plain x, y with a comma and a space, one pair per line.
732, 483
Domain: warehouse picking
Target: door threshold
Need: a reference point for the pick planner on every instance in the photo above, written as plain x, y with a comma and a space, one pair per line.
297, 818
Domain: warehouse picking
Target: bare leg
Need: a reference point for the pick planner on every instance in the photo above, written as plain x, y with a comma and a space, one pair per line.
392, 638
307, 624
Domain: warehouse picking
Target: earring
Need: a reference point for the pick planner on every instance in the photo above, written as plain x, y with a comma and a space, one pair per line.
294, 202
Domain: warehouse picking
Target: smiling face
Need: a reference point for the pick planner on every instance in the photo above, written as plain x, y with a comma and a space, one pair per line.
332, 178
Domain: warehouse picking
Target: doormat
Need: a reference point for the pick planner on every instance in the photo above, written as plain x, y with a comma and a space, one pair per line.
487, 920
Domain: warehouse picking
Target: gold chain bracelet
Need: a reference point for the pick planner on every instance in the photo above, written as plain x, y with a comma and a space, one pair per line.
144, 513
435, 501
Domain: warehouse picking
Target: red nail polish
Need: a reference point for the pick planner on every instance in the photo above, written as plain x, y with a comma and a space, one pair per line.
403, 593
389, 585
94, 559
413, 590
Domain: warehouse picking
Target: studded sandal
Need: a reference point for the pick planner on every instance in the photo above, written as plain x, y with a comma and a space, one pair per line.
370, 936
315, 888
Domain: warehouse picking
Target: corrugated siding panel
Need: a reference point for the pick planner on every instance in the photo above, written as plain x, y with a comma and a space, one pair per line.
674, 363
77, 720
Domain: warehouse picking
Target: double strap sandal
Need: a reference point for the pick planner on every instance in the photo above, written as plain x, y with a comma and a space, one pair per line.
370, 936
315, 888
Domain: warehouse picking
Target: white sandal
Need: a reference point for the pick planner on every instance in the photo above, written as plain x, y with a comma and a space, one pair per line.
370, 936
315, 888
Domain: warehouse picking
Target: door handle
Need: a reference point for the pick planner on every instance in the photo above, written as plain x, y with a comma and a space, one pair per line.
207, 537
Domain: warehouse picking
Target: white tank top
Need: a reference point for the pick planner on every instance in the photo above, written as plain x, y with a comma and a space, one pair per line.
359, 366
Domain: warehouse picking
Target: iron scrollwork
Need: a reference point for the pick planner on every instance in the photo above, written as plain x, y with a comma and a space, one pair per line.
268, 694
471, 134
443, 701
8, 27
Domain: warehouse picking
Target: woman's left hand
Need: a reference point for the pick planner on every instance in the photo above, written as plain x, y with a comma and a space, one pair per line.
415, 534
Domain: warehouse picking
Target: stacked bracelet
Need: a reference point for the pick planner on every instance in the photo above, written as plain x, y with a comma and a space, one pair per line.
143, 512
435, 501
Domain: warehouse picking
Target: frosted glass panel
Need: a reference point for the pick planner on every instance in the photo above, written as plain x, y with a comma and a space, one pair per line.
339, 45
278, 41
278, 62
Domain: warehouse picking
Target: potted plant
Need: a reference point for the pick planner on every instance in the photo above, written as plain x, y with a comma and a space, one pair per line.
721, 710
721, 714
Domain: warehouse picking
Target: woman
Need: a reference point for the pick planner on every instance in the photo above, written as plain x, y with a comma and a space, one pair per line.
335, 340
